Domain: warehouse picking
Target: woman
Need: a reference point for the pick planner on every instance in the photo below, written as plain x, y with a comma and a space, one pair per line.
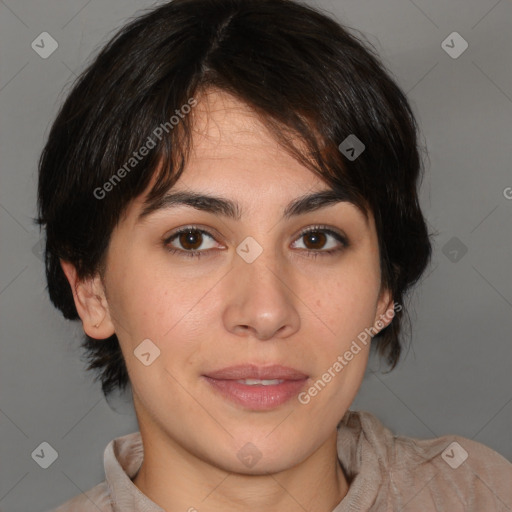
230, 199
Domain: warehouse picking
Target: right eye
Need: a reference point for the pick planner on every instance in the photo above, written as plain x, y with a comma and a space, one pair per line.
191, 238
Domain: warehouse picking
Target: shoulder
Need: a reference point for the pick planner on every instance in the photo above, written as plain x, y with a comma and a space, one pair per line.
448, 473
455, 470
96, 499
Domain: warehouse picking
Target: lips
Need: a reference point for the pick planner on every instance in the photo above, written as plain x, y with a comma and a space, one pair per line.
249, 371
256, 388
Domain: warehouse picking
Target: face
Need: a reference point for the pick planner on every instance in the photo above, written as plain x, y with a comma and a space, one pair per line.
280, 298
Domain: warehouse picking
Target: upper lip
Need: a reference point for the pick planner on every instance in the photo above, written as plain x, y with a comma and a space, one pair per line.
252, 371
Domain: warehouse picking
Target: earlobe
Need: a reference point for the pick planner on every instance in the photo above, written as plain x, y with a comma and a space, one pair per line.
385, 310
90, 302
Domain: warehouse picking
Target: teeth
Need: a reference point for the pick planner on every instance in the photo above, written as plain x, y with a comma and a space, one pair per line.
258, 382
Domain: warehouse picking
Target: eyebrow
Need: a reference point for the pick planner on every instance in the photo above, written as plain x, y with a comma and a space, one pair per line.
231, 209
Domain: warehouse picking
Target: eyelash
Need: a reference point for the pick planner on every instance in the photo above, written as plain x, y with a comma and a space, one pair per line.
310, 252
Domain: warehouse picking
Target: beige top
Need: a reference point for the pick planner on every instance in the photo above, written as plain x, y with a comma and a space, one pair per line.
385, 473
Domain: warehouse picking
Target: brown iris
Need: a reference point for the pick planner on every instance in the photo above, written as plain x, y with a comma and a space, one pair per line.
191, 240
317, 237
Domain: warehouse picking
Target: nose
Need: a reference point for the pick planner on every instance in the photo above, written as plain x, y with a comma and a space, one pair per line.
260, 301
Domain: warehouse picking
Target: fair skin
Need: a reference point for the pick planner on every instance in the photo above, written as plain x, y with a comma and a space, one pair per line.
286, 307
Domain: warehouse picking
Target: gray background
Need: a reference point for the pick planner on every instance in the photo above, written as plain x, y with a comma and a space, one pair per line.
455, 379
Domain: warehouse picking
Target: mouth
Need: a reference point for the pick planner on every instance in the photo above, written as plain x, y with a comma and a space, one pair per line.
255, 387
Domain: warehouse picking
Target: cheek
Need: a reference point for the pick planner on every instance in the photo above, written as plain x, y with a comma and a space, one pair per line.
346, 305
147, 298
151, 302
152, 305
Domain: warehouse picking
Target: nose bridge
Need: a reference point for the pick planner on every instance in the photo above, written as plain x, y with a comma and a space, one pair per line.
260, 299
256, 267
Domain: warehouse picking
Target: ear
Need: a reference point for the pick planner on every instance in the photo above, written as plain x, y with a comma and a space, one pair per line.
90, 302
385, 309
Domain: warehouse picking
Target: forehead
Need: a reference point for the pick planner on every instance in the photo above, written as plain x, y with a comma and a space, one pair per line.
236, 166
227, 135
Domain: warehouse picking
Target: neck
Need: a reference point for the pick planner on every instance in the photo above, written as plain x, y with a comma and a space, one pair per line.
177, 480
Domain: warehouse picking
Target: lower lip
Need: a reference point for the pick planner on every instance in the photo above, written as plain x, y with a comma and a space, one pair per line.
258, 397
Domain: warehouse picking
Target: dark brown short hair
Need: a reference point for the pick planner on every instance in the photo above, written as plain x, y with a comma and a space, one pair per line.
307, 77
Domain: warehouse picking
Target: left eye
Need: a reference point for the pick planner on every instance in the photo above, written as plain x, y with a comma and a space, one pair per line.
318, 237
